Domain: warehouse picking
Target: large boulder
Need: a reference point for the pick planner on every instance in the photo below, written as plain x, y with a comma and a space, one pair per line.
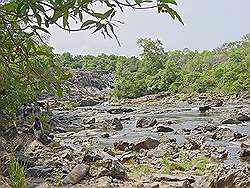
78, 173
146, 122
147, 143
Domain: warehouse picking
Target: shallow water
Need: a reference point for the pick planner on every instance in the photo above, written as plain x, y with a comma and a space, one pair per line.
185, 116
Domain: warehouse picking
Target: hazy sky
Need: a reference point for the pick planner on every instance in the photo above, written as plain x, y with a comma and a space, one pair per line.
208, 24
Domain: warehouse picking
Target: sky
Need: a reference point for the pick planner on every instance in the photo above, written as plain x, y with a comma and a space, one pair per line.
208, 24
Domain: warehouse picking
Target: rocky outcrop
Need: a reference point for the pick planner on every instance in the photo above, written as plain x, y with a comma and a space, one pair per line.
228, 177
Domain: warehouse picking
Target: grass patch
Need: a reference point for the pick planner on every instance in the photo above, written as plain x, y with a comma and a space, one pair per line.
141, 170
185, 164
17, 174
70, 105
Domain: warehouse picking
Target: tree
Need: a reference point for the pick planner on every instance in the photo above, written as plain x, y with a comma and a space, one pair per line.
30, 65
24, 25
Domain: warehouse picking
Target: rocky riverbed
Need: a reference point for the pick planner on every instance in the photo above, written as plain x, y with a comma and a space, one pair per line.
155, 141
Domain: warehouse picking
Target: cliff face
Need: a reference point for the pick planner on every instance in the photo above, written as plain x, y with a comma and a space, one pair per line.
92, 80
85, 84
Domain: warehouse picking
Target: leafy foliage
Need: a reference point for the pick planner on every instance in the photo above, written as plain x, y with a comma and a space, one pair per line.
17, 174
225, 69
26, 65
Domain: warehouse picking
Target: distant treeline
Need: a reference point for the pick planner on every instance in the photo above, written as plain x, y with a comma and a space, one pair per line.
225, 69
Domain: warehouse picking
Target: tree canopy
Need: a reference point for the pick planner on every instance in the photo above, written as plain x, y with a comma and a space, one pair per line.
24, 25
27, 65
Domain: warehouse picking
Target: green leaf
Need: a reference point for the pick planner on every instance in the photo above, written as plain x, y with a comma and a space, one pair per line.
87, 23
60, 91
65, 18
39, 19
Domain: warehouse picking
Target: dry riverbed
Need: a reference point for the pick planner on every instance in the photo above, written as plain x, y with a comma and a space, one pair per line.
155, 141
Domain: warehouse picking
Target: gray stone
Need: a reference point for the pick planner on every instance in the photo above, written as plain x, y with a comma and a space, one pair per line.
78, 173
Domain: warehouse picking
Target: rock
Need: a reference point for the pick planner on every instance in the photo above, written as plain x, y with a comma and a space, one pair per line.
194, 142
88, 102
169, 122
146, 122
2, 128
90, 156
39, 171
148, 143
206, 128
162, 128
102, 182
217, 103
78, 173
109, 151
246, 143
4, 182
128, 157
43, 185
203, 109
105, 135
116, 124
245, 153
10, 133
44, 139
227, 177
223, 133
89, 121
60, 130
238, 135
120, 110
230, 121
163, 150
102, 172
123, 145
118, 171
171, 178
243, 117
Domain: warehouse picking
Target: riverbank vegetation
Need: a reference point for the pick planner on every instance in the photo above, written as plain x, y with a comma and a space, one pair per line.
224, 69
